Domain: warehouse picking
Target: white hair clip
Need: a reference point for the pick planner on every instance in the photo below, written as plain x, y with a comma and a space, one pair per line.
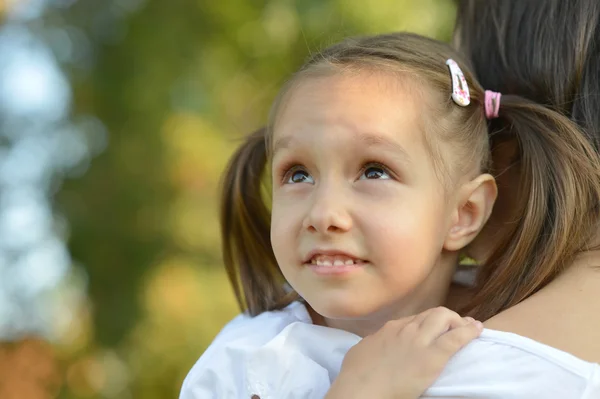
460, 89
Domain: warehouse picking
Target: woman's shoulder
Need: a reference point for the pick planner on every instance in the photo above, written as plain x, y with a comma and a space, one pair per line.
518, 346
504, 365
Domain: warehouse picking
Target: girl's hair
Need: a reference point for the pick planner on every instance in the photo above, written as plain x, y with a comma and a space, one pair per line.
558, 184
246, 228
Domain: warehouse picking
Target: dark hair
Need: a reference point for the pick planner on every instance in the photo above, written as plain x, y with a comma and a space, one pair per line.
545, 50
549, 52
558, 183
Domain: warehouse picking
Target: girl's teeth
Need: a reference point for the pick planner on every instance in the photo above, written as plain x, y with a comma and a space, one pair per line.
333, 261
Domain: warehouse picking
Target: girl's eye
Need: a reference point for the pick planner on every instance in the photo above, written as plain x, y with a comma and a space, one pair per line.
298, 176
374, 172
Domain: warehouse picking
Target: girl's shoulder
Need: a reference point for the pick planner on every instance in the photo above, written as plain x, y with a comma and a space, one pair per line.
254, 356
514, 366
253, 331
262, 327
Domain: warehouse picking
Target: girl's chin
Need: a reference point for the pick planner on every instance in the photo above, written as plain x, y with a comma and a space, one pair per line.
341, 312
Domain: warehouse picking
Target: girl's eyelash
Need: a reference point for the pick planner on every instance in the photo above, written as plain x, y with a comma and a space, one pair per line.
286, 170
376, 164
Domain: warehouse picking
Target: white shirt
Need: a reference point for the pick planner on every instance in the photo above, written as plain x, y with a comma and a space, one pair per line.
501, 365
281, 354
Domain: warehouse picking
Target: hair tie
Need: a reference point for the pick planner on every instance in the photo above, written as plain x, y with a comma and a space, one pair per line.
492, 104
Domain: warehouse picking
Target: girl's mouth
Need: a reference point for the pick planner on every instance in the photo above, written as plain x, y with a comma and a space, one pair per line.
335, 260
334, 264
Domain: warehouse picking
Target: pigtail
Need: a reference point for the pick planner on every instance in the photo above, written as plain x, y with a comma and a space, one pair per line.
245, 231
556, 213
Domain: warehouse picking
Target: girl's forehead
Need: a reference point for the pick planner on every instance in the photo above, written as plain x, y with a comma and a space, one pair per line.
371, 101
351, 114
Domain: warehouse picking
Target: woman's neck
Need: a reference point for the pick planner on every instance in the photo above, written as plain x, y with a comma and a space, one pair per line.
564, 314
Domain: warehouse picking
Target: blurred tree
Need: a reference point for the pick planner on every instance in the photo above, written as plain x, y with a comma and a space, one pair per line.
28, 370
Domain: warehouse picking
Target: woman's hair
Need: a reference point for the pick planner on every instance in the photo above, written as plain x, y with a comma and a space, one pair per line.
558, 185
548, 52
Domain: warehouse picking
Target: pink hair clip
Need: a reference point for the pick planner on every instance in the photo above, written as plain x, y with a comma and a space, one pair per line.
492, 104
460, 89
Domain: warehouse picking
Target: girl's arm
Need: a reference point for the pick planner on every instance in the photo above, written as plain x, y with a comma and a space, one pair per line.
405, 357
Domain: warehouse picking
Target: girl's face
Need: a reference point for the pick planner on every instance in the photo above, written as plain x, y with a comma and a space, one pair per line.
360, 217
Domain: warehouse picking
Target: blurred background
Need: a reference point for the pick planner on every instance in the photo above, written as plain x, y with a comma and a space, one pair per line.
116, 120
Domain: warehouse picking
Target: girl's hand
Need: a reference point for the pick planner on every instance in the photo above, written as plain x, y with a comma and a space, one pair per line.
404, 357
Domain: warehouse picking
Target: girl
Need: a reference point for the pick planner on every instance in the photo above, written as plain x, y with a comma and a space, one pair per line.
553, 58
379, 160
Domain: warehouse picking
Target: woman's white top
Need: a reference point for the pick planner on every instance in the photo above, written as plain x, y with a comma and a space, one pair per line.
281, 354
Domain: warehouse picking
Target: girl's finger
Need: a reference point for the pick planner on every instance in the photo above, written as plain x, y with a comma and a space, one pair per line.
419, 318
454, 340
439, 322
394, 326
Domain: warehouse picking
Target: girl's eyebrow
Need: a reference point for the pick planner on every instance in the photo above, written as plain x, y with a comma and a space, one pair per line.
376, 140
282, 143
366, 140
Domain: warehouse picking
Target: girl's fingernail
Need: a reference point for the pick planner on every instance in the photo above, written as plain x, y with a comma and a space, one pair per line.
479, 325
469, 319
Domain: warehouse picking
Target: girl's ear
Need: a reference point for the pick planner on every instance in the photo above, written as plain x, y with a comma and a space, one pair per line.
474, 207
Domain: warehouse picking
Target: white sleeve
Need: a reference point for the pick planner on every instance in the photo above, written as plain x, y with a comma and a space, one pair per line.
245, 361
217, 374
211, 384
257, 356
508, 366
285, 367
265, 372
593, 388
